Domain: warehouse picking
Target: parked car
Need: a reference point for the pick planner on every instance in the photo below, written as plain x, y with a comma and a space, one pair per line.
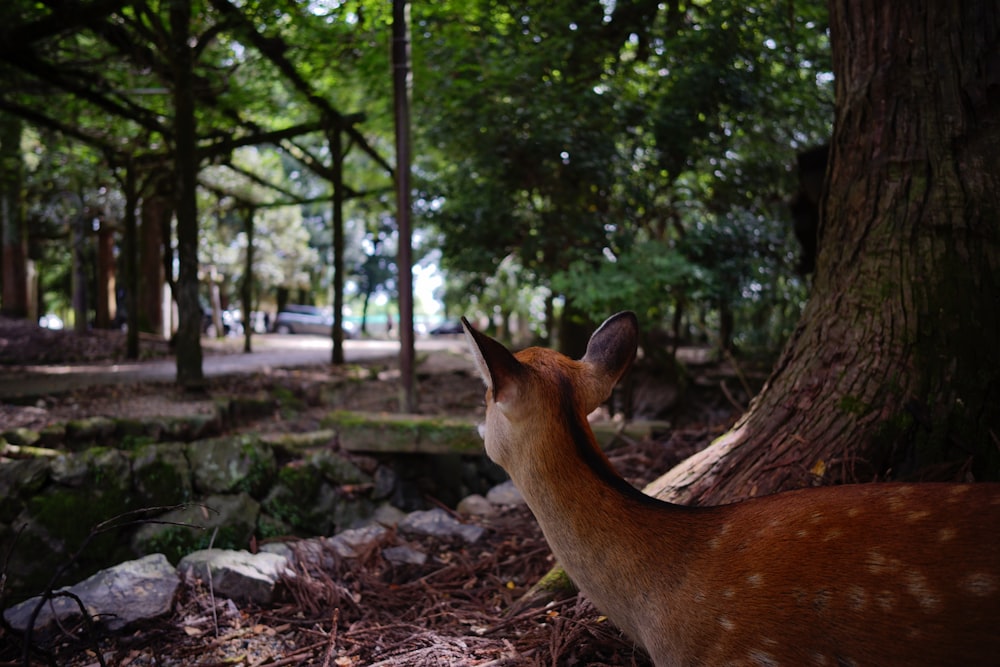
297, 319
448, 327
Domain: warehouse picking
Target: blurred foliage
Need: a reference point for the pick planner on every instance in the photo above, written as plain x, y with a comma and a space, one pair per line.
626, 155
603, 155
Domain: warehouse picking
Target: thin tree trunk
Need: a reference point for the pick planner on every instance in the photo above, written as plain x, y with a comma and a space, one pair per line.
335, 140
131, 263
401, 95
246, 286
105, 305
894, 368
156, 213
79, 280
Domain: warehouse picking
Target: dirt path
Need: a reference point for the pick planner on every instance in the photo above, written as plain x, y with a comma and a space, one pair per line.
222, 358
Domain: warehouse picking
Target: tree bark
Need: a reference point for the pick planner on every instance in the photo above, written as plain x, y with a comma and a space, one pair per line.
189, 370
246, 285
156, 212
335, 141
131, 264
894, 369
79, 224
106, 304
13, 232
402, 82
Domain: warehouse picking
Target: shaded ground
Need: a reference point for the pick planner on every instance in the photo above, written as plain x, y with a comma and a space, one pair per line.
460, 608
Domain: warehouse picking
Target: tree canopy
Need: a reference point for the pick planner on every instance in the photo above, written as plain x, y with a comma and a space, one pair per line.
633, 152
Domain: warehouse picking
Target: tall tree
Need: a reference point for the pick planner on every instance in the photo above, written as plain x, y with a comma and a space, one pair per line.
13, 230
894, 369
188, 344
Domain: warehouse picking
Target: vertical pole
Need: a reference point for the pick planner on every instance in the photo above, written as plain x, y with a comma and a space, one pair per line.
335, 140
80, 222
246, 289
401, 91
131, 263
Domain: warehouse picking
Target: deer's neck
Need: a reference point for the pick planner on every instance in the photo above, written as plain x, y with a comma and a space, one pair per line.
611, 539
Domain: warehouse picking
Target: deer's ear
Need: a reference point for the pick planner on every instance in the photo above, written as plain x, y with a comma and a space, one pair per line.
496, 364
611, 351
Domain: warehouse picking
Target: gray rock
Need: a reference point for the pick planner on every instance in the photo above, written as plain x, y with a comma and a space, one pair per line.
476, 505
385, 482
505, 494
237, 575
161, 474
387, 515
236, 463
97, 430
114, 598
355, 541
96, 463
315, 553
438, 523
280, 549
404, 555
21, 436
18, 480
338, 469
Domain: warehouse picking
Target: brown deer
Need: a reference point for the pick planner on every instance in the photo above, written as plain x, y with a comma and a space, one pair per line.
873, 574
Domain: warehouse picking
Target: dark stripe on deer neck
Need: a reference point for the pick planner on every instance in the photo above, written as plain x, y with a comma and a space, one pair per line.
587, 448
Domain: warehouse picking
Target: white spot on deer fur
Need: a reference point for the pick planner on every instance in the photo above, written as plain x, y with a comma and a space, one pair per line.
857, 597
917, 586
854, 512
762, 658
980, 584
879, 564
832, 534
956, 493
726, 623
886, 600
820, 660
717, 541
728, 593
755, 580
917, 515
946, 534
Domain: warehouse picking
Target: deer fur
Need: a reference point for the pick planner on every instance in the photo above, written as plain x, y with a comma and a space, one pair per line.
876, 574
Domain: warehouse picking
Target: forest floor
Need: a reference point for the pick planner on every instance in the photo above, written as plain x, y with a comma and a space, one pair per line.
462, 607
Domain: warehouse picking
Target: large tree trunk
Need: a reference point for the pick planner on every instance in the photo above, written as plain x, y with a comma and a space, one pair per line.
189, 371
13, 232
894, 369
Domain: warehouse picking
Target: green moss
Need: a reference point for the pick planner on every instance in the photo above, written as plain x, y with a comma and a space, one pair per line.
297, 488
176, 542
160, 483
853, 405
288, 403
261, 467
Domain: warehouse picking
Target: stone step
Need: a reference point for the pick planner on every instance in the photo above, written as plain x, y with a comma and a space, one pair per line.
392, 433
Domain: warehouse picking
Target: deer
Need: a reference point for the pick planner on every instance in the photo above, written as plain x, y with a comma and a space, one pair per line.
878, 574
